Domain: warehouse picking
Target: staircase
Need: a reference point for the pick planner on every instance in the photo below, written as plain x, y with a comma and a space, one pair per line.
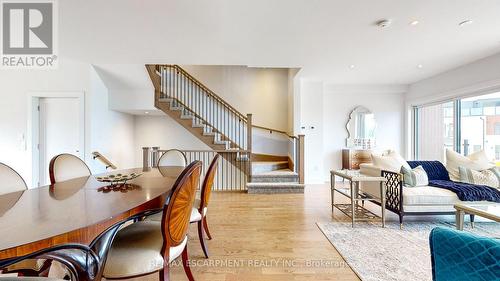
227, 131
273, 177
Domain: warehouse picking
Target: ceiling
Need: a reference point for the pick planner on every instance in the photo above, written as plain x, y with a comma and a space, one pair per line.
323, 37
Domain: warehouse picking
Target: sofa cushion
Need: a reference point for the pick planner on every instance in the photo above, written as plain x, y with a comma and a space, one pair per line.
476, 161
490, 177
414, 177
428, 195
435, 170
391, 162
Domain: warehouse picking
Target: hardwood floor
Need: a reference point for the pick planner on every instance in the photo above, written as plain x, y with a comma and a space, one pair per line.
267, 237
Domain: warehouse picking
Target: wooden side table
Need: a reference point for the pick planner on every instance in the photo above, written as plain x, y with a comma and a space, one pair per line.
354, 210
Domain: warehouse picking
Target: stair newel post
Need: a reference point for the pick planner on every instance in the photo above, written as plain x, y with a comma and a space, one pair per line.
301, 159
145, 158
249, 145
155, 155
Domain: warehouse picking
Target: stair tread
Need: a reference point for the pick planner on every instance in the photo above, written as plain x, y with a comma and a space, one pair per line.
269, 162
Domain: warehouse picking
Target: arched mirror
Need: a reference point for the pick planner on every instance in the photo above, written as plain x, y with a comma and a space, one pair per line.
361, 128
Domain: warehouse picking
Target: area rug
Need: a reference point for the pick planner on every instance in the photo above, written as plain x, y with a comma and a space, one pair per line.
377, 253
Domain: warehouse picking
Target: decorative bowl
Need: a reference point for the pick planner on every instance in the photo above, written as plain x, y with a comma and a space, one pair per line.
118, 178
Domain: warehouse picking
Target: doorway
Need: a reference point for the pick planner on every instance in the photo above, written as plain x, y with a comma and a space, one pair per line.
58, 127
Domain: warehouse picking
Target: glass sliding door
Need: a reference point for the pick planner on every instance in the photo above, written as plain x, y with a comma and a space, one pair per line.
480, 125
434, 130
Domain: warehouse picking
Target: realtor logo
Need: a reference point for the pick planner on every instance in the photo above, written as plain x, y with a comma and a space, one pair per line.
28, 34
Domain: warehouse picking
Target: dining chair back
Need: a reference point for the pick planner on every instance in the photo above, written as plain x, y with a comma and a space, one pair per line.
177, 214
67, 166
173, 157
208, 182
10, 180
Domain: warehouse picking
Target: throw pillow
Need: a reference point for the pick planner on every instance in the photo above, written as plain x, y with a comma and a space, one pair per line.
399, 158
391, 162
476, 161
414, 177
489, 177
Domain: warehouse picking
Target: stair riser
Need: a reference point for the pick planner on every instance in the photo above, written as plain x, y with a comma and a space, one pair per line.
275, 179
275, 191
268, 168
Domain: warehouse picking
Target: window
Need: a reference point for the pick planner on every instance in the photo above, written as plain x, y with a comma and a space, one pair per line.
480, 131
467, 125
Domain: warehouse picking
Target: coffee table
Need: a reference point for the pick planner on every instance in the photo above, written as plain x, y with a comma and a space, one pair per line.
483, 209
354, 210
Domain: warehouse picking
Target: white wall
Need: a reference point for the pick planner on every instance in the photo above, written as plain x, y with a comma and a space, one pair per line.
326, 108
260, 91
164, 132
111, 132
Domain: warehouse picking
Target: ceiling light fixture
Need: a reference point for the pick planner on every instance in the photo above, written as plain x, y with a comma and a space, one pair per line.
419, 66
383, 23
415, 22
352, 66
146, 112
465, 22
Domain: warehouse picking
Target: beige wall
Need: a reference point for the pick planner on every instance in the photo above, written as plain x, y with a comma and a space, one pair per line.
261, 91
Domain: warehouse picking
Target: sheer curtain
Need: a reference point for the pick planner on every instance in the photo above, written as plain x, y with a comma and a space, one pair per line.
434, 131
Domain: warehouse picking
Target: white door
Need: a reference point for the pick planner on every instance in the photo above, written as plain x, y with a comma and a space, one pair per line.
60, 129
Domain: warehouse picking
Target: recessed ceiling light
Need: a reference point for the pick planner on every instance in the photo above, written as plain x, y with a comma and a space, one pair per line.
419, 66
352, 66
383, 23
146, 112
415, 22
465, 22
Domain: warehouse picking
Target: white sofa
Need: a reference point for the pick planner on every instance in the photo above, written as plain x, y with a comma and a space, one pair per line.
424, 200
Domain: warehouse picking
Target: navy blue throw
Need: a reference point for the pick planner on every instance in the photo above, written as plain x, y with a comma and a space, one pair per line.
435, 170
467, 191
439, 177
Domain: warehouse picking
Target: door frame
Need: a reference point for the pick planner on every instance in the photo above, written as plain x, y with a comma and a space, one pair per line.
33, 128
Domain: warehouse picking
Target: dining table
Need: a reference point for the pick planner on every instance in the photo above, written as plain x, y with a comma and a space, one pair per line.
77, 210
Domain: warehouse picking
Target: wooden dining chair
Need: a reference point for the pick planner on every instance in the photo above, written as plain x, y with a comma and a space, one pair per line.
81, 262
199, 211
200, 216
64, 167
67, 166
10, 180
173, 157
146, 247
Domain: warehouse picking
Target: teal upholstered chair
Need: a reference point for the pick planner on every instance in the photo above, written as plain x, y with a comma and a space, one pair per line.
458, 255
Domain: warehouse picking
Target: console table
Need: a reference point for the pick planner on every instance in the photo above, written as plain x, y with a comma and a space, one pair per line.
354, 210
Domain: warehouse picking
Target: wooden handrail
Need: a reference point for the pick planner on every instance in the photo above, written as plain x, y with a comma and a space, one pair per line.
104, 160
210, 92
274, 130
210, 150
